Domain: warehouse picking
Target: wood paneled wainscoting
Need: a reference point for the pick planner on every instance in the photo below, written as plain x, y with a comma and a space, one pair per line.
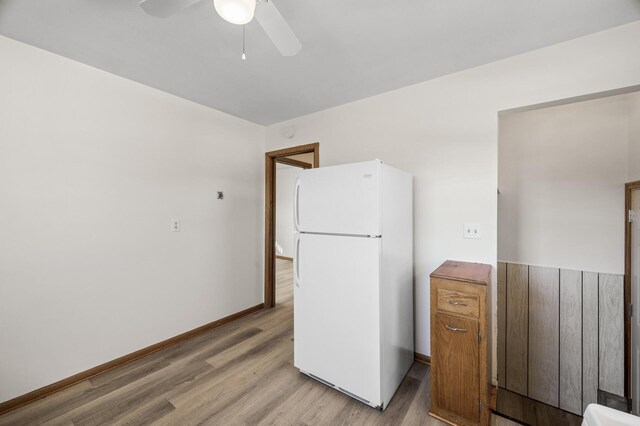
560, 334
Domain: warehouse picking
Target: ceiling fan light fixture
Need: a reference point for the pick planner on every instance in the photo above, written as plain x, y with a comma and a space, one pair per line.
237, 12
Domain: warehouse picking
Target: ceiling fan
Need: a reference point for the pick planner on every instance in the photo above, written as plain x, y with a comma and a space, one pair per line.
239, 12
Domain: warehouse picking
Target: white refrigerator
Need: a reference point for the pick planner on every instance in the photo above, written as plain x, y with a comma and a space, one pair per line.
353, 278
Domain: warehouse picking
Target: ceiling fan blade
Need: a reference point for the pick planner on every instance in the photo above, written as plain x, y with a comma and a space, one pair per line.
277, 28
165, 8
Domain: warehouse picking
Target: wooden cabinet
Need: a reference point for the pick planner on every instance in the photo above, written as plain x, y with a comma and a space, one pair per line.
460, 363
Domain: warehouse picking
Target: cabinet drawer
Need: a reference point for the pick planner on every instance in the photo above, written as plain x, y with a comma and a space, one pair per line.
458, 302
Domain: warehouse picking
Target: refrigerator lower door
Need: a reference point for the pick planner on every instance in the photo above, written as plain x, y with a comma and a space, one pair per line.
337, 312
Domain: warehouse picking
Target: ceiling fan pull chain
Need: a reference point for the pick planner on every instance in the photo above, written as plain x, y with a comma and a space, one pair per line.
244, 57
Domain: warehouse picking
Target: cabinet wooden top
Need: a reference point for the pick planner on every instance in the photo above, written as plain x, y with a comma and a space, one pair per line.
477, 273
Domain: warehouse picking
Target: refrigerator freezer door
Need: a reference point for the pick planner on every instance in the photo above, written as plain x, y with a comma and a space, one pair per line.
337, 312
339, 200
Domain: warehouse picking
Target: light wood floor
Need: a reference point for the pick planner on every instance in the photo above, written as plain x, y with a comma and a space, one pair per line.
241, 373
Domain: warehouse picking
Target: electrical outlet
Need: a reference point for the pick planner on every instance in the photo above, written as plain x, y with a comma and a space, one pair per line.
175, 225
472, 230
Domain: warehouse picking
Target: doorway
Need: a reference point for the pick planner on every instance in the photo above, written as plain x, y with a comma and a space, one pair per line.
281, 162
563, 293
632, 291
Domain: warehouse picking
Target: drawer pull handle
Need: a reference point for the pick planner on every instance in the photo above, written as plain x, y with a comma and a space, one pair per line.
453, 302
452, 328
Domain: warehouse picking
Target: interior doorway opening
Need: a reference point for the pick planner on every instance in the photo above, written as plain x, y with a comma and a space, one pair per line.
563, 292
632, 289
287, 170
281, 168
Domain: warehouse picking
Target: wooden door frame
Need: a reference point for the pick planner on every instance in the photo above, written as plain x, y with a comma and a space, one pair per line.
628, 190
271, 158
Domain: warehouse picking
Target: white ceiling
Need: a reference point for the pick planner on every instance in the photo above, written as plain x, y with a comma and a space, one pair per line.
352, 49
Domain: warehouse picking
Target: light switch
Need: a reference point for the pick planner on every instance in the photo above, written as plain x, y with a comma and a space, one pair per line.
175, 225
472, 230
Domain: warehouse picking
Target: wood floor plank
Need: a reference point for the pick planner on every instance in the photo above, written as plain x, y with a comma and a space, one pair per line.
227, 382
254, 404
39, 412
321, 411
353, 413
295, 405
241, 373
185, 361
229, 376
148, 413
222, 343
418, 411
396, 412
96, 392
108, 411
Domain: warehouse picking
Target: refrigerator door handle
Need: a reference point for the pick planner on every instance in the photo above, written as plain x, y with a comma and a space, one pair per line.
296, 208
296, 264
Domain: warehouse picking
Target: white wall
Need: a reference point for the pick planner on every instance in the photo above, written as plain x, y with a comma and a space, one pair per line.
562, 172
285, 181
93, 168
306, 157
445, 132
